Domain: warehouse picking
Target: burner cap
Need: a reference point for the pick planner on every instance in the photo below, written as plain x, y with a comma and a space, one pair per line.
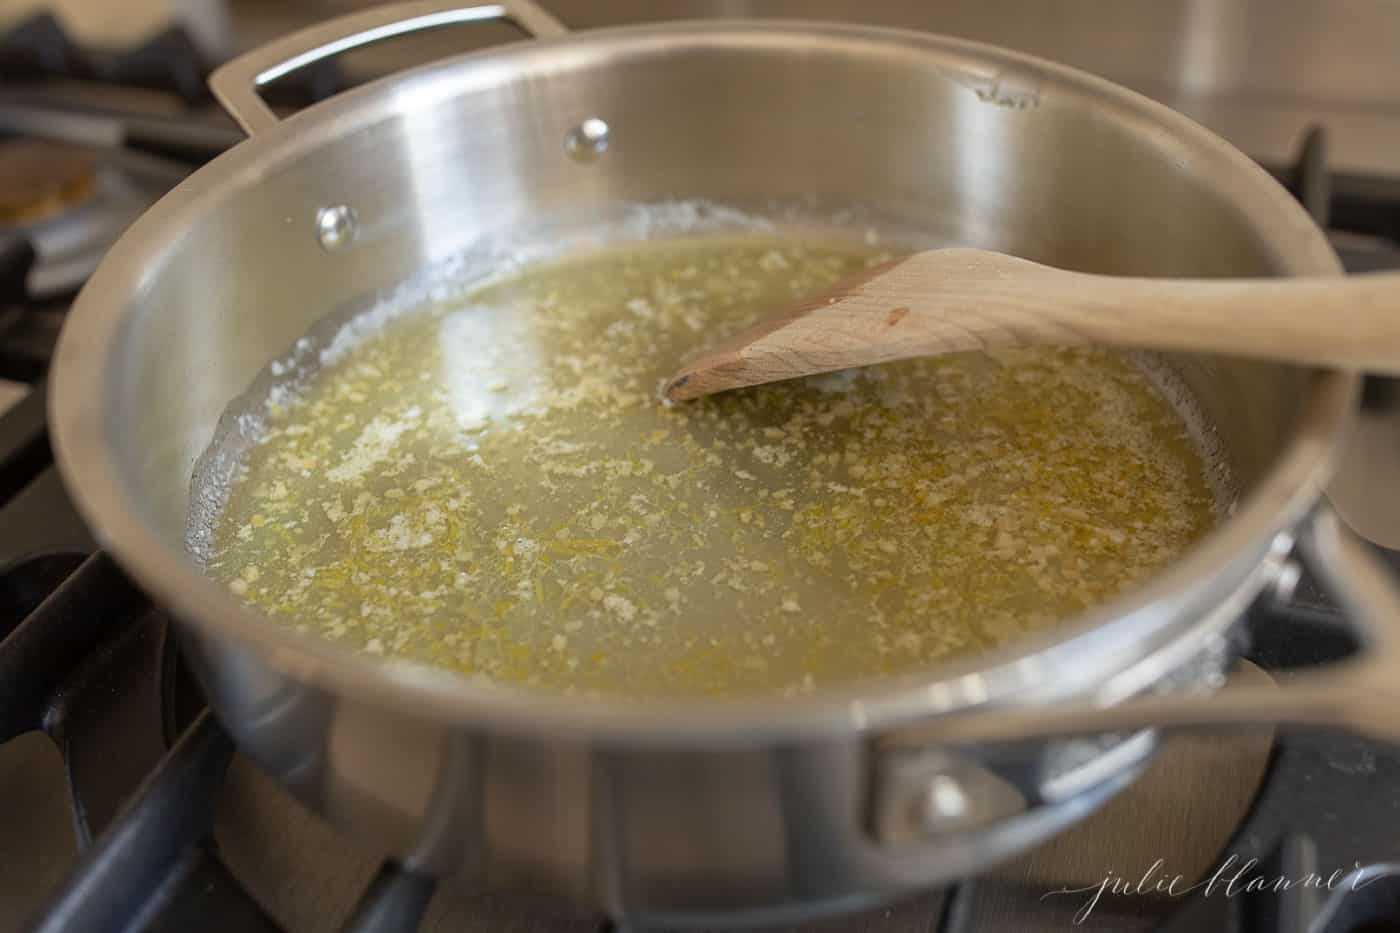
39, 179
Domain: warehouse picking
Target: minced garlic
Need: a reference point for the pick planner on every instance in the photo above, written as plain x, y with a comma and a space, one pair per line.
492, 486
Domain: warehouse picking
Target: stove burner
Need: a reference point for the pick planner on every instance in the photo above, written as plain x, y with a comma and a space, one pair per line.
40, 180
71, 203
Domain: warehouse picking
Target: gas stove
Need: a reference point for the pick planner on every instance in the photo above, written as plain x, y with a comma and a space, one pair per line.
124, 806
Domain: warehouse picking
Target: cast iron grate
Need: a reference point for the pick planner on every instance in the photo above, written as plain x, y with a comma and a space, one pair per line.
154, 867
169, 61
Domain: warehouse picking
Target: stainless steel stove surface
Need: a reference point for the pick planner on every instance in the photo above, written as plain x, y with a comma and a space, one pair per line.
123, 806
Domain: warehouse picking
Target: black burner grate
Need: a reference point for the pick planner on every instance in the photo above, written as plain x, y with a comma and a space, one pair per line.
153, 867
169, 61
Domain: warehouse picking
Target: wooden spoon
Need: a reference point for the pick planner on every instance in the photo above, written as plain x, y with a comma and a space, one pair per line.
949, 300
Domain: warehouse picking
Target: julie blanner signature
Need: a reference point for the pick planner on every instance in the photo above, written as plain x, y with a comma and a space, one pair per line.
1234, 877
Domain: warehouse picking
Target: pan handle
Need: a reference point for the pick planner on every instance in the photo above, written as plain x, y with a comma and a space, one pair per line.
237, 84
1359, 694
930, 779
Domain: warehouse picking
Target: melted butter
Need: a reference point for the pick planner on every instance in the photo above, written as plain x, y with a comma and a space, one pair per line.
491, 486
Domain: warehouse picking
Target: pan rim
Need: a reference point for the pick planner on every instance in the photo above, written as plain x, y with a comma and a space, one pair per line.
1112, 635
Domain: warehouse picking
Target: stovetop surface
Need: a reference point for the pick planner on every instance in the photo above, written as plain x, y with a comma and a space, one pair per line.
122, 803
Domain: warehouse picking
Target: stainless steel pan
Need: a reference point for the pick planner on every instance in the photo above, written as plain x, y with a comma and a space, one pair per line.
729, 810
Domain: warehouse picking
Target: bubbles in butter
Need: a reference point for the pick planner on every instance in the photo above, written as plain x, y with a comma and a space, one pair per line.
490, 485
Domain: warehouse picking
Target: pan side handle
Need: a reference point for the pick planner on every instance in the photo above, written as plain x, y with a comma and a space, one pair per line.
1359, 694
932, 778
238, 84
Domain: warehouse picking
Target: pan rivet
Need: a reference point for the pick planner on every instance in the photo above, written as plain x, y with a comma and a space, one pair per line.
942, 803
336, 227
588, 140
1285, 583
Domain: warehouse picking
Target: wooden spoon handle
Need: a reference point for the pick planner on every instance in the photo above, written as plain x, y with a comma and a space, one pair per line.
945, 301
1349, 322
